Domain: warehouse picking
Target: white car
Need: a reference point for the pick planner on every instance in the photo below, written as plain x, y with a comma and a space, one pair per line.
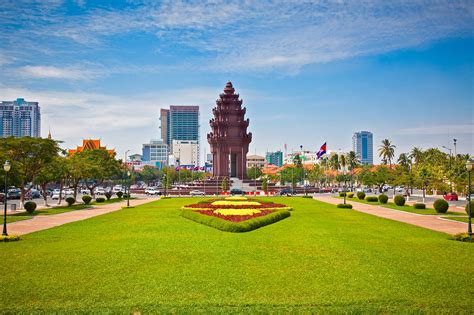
55, 194
99, 191
118, 188
68, 192
84, 191
152, 191
197, 193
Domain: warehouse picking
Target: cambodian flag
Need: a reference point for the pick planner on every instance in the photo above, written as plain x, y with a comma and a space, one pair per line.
321, 151
177, 168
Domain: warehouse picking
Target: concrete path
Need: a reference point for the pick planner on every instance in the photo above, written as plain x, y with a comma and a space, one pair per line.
432, 222
43, 222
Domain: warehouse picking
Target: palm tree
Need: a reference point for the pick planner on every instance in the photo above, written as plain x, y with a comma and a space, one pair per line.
352, 160
342, 161
416, 155
334, 162
404, 161
387, 151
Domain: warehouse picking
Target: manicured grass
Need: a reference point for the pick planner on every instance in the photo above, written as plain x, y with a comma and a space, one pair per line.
406, 208
461, 219
148, 259
56, 210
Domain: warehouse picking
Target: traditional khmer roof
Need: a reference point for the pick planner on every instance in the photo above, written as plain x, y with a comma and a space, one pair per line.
90, 144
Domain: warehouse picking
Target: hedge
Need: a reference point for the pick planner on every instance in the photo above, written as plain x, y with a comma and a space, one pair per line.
419, 206
361, 195
399, 200
86, 199
441, 205
371, 199
350, 195
30, 206
342, 194
472, 208
383, 198
70, 201
227, 226
344, 206
99, 199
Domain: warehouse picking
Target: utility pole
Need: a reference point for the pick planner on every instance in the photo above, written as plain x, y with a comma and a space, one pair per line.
455, 152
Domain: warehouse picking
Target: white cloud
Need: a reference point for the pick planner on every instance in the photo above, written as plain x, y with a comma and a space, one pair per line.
438, 130
51, 72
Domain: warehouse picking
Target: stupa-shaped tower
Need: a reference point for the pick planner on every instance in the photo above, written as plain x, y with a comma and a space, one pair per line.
229, 139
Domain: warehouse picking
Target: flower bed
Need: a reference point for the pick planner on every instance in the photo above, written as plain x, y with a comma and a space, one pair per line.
247, 214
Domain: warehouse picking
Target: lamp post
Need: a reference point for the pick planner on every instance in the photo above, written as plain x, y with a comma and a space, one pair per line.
129, 180
469, 165
6, 168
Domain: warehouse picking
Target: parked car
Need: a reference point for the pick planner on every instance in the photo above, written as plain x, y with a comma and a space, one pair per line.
99, 191
197, 193
152, 191
55, 194
14, 193
35, 193
84, 191
68, 191
452, 196
236, 191
399, 189
286, 192
2, 197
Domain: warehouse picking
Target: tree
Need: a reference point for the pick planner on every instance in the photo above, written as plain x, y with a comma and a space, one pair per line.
265, 184
315, 175
54, 171
150, 174
28, 156
334, 162
416, 155
98, 165
225, 184
254, 172
342, 162
387, 151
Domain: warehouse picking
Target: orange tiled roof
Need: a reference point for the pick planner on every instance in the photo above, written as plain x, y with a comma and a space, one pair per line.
90, 144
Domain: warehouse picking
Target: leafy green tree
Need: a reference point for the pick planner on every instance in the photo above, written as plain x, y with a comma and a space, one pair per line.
416, 155
334, 162
98, 165
150, 174
51, 172
265, 184
28, 156
387, 151
315, 175
225, 184
254, 172
297, 161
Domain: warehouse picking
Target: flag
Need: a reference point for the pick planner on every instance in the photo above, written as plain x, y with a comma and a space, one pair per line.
177, 168
321, 151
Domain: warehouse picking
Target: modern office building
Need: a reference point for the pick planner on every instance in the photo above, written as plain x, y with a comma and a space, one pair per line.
20, 119
155, 153
363, 146
186, 152
179, 123
275, 158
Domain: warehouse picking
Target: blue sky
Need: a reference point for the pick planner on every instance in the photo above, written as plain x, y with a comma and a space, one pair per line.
308, 71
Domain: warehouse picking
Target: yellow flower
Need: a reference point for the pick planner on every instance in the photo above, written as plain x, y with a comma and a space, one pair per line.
237, 211
236, 198
235, 203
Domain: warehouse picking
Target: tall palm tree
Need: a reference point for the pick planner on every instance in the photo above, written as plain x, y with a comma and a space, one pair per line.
342, 161
352, 160
387, 151
404, 161
416, 155
334, 162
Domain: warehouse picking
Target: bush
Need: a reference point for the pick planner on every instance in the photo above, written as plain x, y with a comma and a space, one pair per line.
168, 197
371, 198
70, 201
399, 200
126, 196
462, 237
99, 199
307, 196
350, 195
108, 195
119, 194
87, 199
9, 238
472, 208
30, 206
419, 206
383, 198
441, 205
361, 195
342, 194
344, 206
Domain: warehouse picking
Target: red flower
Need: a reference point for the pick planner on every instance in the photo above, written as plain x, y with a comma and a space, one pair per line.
234, 218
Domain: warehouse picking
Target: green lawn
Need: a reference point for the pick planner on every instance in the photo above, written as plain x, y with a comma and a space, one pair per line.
461, 219
406, 208
321, 259
56, 210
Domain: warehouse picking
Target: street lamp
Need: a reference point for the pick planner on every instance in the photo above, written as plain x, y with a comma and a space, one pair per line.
128, 195
6, 167
469, 165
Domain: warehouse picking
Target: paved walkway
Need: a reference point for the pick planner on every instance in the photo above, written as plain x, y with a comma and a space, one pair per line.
432, 222
43, 222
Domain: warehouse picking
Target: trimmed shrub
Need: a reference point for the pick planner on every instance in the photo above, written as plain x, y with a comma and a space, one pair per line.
383, 198
441, 205
419, 206
9, 238
342, 194
462, 237
472, 208
399, 200
86, 199
119, 194
126, 196
70, 201
344, 206
30, 206
99, 199
307, 196
168, 197
371, 199
350, 195
108, 195
361, 195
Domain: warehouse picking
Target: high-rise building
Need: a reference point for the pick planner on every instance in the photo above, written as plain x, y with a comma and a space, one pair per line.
179, 123
363, 146
275, 158
20, 119
186, 152
155, 153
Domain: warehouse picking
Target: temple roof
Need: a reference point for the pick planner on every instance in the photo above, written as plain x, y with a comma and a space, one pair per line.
229, 89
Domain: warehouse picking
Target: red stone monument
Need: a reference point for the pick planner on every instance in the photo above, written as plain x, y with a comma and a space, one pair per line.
229, 139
